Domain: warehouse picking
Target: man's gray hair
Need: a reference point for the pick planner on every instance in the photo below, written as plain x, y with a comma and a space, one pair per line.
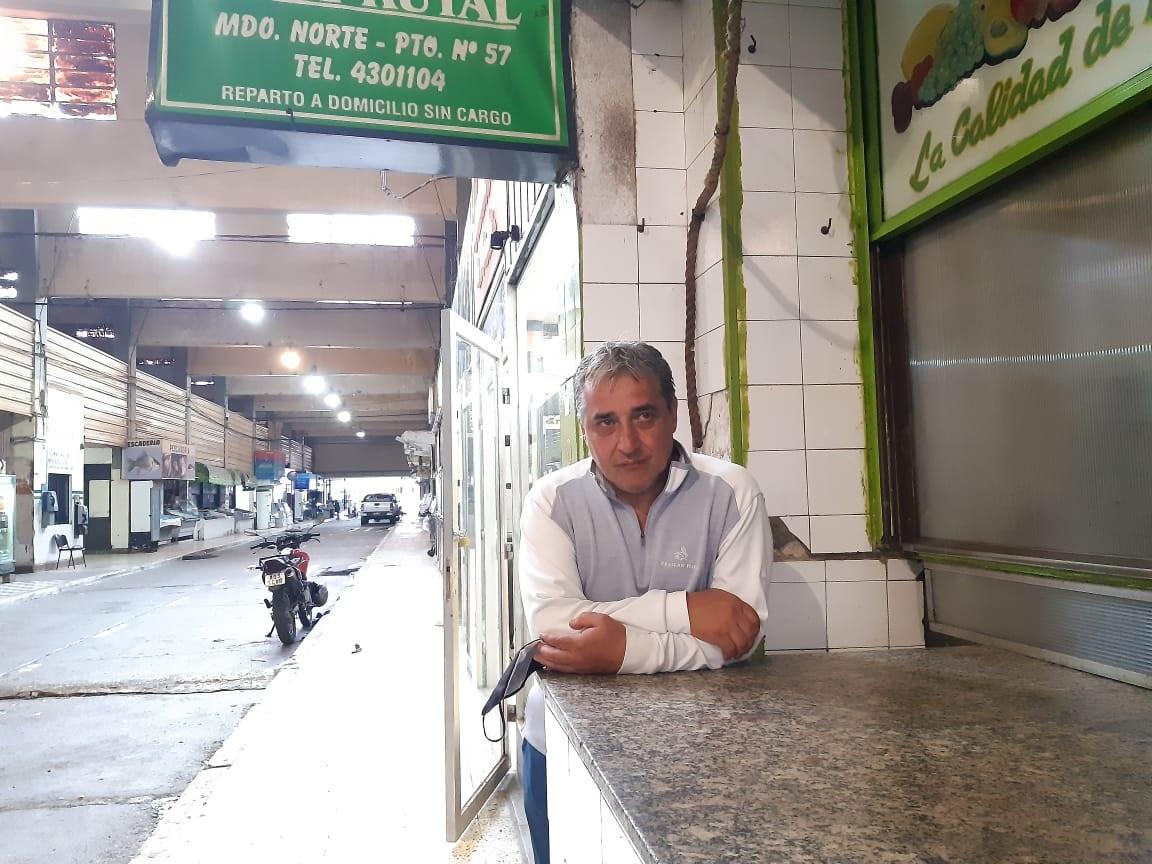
612, 359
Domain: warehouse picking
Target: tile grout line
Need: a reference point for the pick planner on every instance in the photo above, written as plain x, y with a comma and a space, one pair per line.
799, 311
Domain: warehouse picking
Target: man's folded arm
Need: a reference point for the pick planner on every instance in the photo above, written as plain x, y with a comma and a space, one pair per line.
553, 596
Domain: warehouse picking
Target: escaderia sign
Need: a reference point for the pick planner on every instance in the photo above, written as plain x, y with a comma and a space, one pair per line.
962, 81
456, 71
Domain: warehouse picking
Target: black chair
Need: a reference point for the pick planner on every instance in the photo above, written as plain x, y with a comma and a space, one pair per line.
62, 546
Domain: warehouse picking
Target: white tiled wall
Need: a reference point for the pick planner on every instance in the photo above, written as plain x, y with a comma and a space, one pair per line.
805, 401
583, 829
845, 604
634, 274
700, 105
801, 294
806, 423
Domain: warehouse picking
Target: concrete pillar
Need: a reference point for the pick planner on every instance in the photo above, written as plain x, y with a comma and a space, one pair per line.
187, 410
131, 361
27, 456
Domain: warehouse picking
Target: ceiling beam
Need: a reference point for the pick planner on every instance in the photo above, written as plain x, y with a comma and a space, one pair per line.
95, 267
327, 361
117, 167
290, 385
401, 403
302, 421
348, 432
323, 326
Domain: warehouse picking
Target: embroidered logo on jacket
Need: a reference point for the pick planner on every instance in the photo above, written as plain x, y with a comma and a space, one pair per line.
680, 561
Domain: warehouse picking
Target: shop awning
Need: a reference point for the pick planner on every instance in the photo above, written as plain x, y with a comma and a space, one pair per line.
214, 475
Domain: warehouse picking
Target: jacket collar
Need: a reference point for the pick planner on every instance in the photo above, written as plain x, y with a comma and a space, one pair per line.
680, 468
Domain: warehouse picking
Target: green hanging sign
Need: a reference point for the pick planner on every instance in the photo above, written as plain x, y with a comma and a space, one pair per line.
469, 73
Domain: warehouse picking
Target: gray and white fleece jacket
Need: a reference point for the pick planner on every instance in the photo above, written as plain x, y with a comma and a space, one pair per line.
582, 550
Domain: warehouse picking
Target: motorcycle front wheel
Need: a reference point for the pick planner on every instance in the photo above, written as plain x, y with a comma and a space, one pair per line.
283, 616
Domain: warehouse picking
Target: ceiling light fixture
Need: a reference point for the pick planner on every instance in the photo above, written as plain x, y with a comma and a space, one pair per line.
290, 359
314, 384
8, 292
360, 434
9, 276
332, 400
344, 417
368, 229
175, 231
252, 312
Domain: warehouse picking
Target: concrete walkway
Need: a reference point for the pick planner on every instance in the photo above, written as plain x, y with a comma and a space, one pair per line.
103, 565
342, 760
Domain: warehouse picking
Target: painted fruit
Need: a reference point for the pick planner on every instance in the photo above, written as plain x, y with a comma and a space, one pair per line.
918, 75
1030, 13
1059, 8
925, 37
961, 50
902, 105
1003, 35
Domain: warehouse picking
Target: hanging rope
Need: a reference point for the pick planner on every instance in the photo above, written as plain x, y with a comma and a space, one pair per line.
731, 64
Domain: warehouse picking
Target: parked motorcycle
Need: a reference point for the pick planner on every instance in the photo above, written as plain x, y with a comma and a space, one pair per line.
285, 574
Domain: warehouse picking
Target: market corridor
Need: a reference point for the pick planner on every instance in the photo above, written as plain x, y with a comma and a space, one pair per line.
354, 728
113, 695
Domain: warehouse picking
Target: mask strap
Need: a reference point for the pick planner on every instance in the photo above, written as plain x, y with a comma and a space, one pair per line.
503, 726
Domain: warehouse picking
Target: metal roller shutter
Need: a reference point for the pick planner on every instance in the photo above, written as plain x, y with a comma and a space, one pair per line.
241, 432
102, 379
15, 362
159, 409
208, 420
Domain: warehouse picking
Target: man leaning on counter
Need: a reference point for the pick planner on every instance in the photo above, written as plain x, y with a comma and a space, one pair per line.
643, 558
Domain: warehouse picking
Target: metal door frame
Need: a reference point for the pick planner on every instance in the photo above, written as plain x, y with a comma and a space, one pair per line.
459, 813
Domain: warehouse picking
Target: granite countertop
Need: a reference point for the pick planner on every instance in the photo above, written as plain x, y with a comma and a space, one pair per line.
941, 756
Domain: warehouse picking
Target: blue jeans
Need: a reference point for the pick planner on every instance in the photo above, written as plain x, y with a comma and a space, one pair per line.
536, 799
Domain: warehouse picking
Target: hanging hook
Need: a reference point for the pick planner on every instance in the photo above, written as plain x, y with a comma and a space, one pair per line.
752, 47
826, 229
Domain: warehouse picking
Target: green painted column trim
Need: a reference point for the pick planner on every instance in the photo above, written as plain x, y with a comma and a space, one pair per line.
1134, 582
1104, 108
862, 53
863, 196
735, 298
731, 206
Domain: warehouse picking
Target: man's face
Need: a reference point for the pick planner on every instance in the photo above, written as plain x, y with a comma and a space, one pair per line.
629, 430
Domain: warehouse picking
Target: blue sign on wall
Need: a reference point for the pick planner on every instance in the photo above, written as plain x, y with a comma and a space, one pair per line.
268, 466
303, 480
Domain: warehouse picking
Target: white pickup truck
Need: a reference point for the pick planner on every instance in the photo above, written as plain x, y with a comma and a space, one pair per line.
382, 507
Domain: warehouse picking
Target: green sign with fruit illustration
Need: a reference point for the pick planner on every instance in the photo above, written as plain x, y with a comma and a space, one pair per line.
962, 81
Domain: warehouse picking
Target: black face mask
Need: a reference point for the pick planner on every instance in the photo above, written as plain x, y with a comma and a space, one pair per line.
511, 682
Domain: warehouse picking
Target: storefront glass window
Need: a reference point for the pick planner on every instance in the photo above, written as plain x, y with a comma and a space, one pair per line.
1029, 359
548, 298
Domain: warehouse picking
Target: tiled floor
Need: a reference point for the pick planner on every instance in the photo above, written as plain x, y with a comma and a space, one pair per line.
499, 835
